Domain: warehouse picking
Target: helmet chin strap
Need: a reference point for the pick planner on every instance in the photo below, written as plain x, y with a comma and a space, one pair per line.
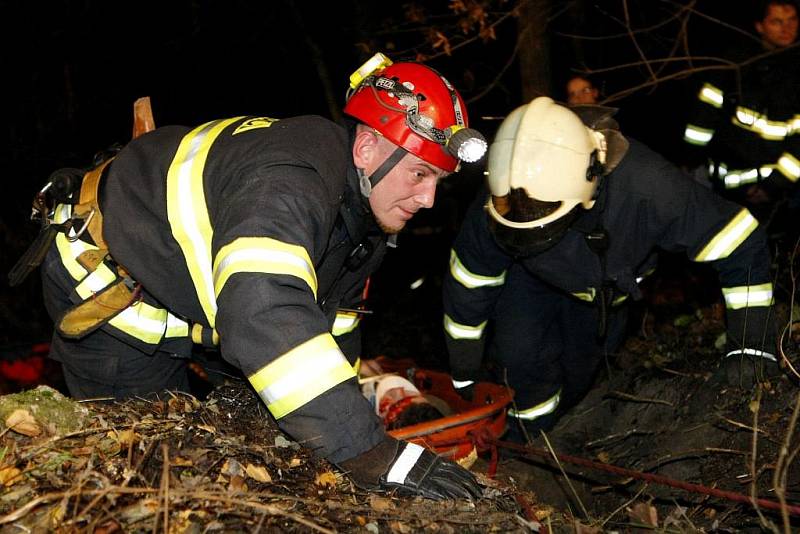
368, 183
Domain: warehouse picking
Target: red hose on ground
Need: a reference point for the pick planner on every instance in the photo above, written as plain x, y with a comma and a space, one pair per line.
658, 479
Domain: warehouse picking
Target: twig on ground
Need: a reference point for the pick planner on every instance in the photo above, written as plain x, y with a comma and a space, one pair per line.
564, 474
634, 398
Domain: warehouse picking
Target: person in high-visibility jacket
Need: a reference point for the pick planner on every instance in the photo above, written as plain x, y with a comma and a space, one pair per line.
251, 233
572, 221
745, 122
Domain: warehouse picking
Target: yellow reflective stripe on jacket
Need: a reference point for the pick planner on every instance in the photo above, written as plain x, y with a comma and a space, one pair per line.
744, 296
345, 323
543, 408
760, 124
789, 166
187, 210
730, 237
745, 176
587, 295
263, 255
471, 280
302, 374
142, 321
98, 280
711, 95
697, 135
67, 250
462, 331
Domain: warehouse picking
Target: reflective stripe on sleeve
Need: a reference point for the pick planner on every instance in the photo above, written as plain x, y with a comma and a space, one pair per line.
543, 408
345, 323
187, 210
263, 255
462, 331
697, 135
404, 463
761, 125
789, 166
469, 279
744, 296
711, 95
730, 237
302, 374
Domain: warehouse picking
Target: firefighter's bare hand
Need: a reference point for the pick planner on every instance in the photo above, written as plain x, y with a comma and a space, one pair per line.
412, 470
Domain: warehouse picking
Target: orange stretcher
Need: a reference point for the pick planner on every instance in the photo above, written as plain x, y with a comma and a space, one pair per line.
470, 429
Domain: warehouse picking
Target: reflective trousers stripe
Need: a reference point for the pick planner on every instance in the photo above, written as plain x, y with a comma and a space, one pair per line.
744, 296
543, 408
461, 331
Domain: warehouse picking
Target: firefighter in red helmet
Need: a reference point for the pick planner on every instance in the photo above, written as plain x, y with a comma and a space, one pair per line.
253, 233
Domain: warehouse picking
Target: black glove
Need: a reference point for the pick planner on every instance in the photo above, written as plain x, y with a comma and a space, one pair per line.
747, 370
413, 470
750, 354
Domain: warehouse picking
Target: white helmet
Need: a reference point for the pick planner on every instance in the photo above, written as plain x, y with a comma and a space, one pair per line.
544, 155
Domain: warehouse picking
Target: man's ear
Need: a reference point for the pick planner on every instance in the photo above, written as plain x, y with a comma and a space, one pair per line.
365, 147
759, 27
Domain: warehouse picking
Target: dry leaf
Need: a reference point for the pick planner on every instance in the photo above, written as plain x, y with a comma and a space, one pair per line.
644, 514
256, 472
22, 422
10, 475
603, 457
232, 468
125, 437
326, 480
380, 504
180, 461
295, 462
237, 484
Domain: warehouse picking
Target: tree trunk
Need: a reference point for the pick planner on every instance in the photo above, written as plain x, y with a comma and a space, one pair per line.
534, 49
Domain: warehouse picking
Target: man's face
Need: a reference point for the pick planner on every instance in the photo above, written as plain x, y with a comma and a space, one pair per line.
581, 91
778, 28
408, 187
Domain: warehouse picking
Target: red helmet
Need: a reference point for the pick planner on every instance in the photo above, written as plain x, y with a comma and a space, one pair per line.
417, 109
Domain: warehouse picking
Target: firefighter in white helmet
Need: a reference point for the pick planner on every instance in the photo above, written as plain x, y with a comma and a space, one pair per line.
546, 258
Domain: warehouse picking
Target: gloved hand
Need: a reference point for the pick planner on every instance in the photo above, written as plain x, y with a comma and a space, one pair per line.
464, 388
413, 470
750, 354
747, 370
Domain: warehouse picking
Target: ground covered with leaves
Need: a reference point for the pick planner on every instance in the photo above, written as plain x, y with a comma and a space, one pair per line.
657, 446
176, 464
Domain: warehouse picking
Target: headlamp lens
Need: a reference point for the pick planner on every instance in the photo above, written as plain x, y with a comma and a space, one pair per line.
470, 149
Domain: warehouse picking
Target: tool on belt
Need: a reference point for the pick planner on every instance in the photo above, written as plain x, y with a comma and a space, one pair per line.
107, 288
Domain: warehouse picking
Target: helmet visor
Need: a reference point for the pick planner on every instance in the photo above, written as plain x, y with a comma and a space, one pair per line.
517, 207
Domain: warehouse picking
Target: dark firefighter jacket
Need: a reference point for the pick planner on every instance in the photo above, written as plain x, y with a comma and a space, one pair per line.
251, 227
645, 204
748, 121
